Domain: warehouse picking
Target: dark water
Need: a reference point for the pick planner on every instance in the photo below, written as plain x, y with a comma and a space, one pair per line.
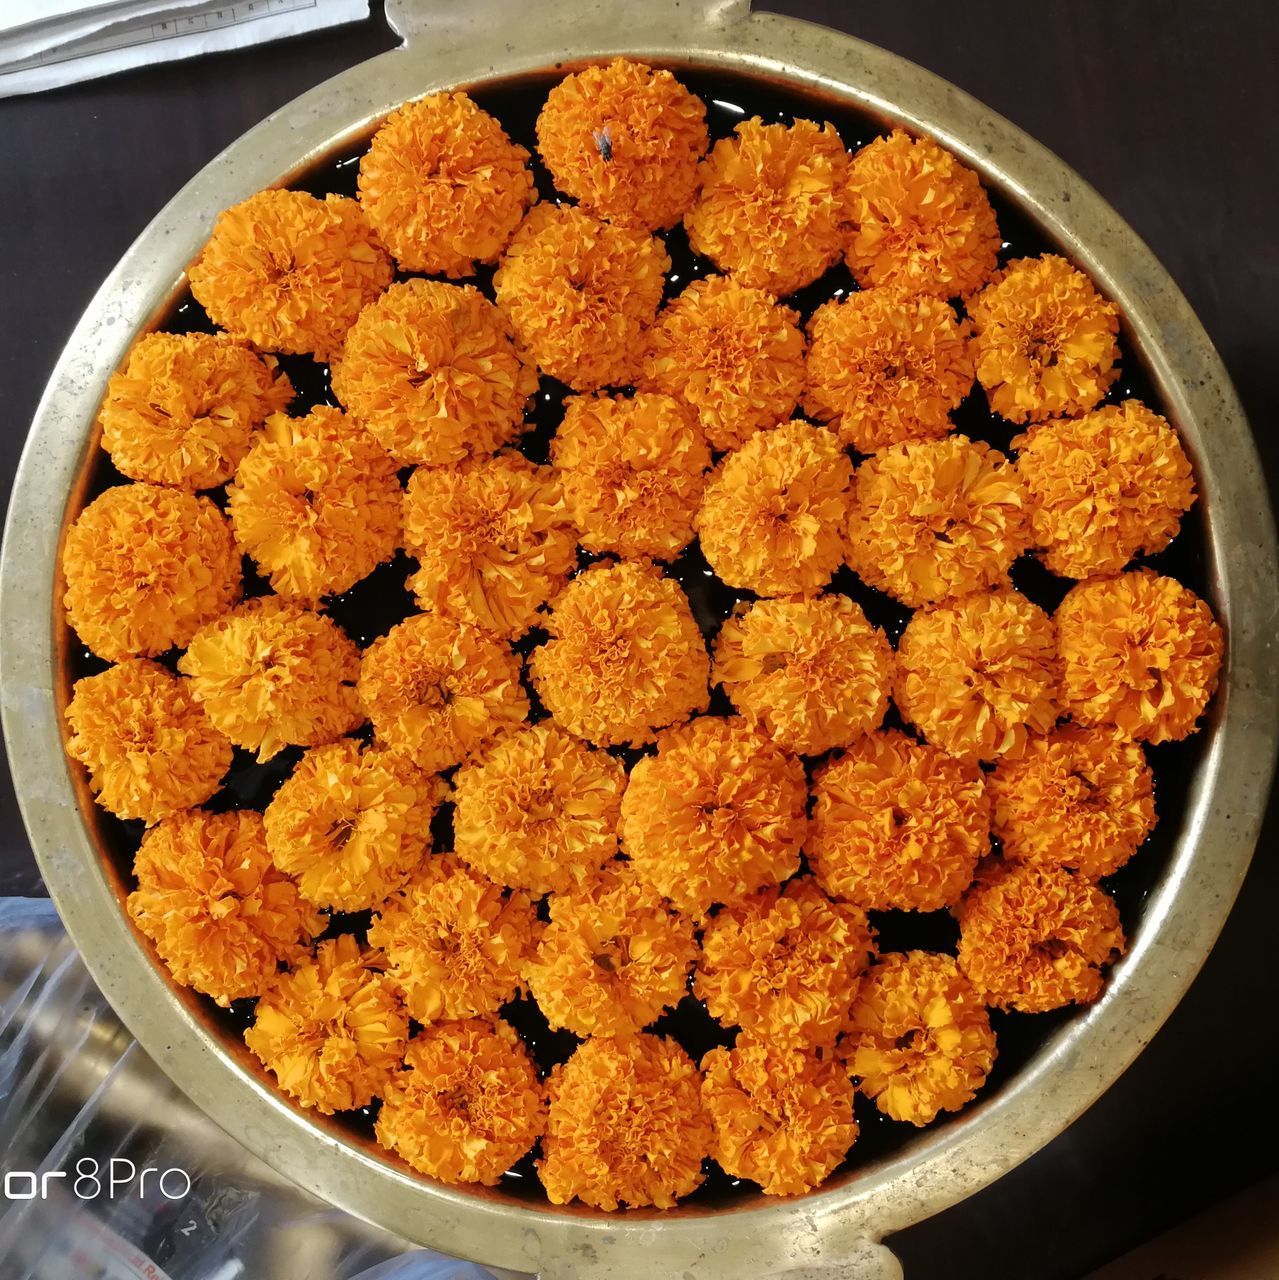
373, 606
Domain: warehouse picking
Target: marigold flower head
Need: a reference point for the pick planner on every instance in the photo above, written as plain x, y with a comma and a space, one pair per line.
977, 676
148, 746
581, 294
316, 503
290, 272
897, 825
783, 1117
492, 539
467, 1104
431, 371
1104, 487
772, 208
437, 689
145, 568
733, 354
633, 471
222, 918
1078, 797
625, 657
538, 810
919, 1038
933, 519
271, 674
183, 408
1139, 651
813, 674
457, 945
717, 813
1044, 340
885, 366
352, 824
331, 1031
627, 1125
1034, 938
920, 219
773, 515
443, 186
785, 964
624, 141
613, 956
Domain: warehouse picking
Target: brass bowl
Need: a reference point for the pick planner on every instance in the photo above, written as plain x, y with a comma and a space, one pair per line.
835, 1230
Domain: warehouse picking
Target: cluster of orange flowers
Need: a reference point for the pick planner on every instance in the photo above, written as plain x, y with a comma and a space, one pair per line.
616, 848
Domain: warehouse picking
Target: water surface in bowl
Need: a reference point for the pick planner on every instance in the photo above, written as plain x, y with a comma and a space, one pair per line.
372, 607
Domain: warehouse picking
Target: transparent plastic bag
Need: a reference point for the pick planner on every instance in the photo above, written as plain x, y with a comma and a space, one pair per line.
109, 1173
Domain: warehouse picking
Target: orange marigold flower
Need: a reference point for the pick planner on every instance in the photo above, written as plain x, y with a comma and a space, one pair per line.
1104, 487
443, 186
581, 294
456, 944
813, 674
1139, 651
772, 209
773, 515
783, 1117
625, 656
467, 1105
898, 825
316, 503
633, 471
919, 1037
624, 141
221, 916
351, 825
627, 1125
717, 813
290, 272
538, 810
734, 355
272, 674
932, 519
431, 371
492, 539
1079, 797
977, 676
183, 408
437, 689
1044, 339
785, 964
920, 219
146, 567
613, 956
1034, 938
885, 366
331, 1031
148, 746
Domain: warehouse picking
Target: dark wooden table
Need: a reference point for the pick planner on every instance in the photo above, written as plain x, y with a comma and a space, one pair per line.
1173, 113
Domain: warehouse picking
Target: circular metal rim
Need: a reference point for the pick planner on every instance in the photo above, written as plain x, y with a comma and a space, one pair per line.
1185, 912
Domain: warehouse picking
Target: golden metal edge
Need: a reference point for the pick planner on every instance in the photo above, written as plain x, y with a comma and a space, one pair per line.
1183, 918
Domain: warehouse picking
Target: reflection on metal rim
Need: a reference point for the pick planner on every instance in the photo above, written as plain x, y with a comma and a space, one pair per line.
501, 39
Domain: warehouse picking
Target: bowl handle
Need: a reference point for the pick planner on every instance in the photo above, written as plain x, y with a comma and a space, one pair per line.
860, 1260
444, 26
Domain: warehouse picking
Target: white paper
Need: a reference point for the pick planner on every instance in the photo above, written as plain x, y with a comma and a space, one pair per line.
58, 28
106, 36
21, 13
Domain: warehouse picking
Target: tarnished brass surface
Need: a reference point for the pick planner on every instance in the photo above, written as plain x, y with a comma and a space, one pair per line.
830, 1232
